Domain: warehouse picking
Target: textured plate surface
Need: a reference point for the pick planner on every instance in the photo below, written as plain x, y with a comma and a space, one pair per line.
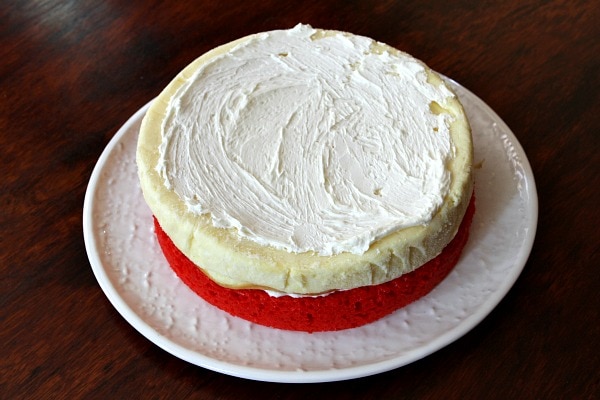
136, 279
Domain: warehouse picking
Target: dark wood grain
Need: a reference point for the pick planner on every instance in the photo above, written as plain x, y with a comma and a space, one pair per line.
72, 72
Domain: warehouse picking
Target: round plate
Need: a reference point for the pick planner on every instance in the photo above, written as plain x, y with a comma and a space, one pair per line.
134, 275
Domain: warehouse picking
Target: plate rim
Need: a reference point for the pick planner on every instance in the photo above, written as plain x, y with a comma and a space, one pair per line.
313, 376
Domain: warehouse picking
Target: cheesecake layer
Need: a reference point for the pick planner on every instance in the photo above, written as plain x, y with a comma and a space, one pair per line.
304, 253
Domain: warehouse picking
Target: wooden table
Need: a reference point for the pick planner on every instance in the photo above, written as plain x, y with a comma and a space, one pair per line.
71, 73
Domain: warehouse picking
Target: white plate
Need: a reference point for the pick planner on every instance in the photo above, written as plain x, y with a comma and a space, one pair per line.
135, 277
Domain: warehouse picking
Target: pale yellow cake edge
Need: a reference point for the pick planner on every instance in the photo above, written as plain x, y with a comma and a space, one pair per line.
236, 262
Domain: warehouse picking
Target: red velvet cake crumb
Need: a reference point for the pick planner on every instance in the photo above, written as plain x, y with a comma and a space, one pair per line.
336, 311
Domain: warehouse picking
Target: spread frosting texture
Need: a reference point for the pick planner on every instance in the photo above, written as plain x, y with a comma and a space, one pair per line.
309, 142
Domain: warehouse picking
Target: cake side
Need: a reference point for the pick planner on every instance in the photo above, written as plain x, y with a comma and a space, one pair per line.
334, 311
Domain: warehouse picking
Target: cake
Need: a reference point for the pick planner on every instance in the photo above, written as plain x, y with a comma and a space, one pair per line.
308, 179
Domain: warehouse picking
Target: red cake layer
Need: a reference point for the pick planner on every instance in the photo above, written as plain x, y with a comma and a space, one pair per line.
336, 311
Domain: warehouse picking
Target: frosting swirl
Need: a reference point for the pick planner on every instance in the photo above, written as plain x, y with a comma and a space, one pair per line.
321, 143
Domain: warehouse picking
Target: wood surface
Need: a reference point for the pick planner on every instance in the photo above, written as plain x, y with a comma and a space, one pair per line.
72, 72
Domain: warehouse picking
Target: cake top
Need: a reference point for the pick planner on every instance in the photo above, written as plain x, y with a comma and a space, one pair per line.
274, 161
322, 142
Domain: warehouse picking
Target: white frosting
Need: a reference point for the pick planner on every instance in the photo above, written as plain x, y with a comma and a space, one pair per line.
309, 142
274, 293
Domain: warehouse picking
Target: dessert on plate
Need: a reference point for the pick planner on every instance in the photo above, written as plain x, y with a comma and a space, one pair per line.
308, 179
